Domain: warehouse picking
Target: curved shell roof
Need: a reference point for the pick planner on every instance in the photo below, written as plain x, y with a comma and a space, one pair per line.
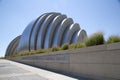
50, 29
12, 47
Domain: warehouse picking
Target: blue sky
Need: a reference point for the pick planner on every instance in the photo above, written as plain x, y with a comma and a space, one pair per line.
92, 15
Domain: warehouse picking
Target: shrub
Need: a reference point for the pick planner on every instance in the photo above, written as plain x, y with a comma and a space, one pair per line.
72, 46
77, 45
22, 54
80, 45
32, 52
113, 39
55, 48
95, 39
65, 46
41, 51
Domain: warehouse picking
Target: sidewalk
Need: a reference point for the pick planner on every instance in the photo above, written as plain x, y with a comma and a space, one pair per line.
10, 70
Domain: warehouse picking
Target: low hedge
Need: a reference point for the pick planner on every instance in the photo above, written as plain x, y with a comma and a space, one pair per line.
95, 39
113, 39
55, 48
65, 46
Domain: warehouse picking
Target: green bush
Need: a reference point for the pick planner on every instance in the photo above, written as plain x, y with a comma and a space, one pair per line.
55, 48
72, 46
21, 54
113, 39
80, 45
41, 51
31, 52
95, 39
77, 45
65, 46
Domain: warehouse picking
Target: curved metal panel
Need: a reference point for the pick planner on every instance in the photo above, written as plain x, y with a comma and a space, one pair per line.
24, 40
79, 36
60, 31
8, 51
74, 38
69, 33
31, 47
34, 35
11, 49
14, 47
82, 35
35, 31
43, 29
51, 30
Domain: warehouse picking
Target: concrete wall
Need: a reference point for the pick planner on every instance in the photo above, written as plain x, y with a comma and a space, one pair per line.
99, 62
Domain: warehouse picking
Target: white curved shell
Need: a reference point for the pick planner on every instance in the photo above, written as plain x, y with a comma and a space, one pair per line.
49, 29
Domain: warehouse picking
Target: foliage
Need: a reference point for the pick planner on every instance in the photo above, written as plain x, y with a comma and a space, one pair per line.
22, 54
72, 46
95, 39
65, 46
41, 51
80, 45
113, 39
55, 48
77, 45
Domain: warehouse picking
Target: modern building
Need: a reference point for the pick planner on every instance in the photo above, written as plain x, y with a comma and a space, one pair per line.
48, 30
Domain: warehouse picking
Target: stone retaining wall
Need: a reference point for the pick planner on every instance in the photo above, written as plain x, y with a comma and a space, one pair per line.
99, 62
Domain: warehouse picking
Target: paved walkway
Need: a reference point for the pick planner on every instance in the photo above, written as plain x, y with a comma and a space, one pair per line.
10, 70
